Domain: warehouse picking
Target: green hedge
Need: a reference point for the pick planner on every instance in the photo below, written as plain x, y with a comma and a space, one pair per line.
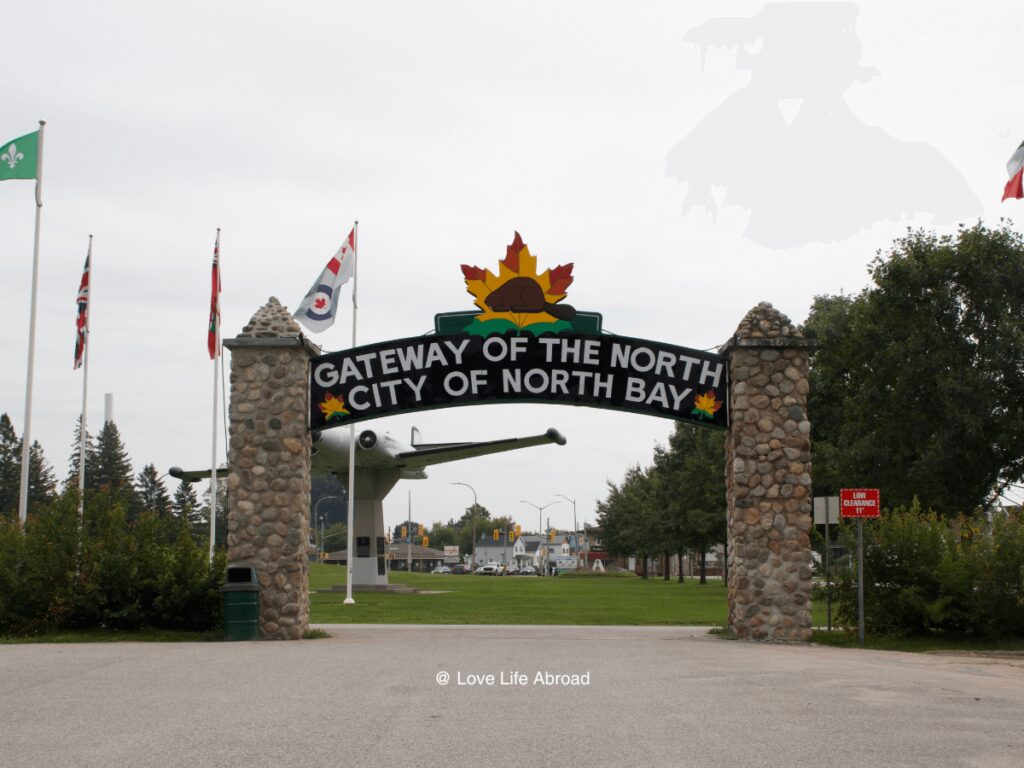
58, 575
928, 575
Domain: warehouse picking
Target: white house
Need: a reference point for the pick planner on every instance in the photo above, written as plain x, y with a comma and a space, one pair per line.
489, 550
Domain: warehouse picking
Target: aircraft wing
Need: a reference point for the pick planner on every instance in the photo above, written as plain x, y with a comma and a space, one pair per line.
439, 453
194, 475
382, 451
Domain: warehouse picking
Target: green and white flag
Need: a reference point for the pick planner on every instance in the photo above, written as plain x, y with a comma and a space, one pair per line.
20, 158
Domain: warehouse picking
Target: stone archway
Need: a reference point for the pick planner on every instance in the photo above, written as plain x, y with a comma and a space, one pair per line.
768, 483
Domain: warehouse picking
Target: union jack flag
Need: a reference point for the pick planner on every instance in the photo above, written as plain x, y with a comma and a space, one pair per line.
82, 321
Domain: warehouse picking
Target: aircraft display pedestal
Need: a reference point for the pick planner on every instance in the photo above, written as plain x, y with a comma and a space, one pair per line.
369, 565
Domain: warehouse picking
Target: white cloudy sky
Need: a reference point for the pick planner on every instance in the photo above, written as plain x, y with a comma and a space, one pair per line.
443, 127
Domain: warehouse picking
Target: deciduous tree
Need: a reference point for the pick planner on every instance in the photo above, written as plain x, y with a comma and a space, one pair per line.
917, 382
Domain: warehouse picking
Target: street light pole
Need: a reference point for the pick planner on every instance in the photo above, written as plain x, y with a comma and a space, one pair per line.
472, 565
316, 516
575, 530
540, 527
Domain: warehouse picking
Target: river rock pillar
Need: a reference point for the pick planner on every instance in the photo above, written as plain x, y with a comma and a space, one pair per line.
768, 479
269, 466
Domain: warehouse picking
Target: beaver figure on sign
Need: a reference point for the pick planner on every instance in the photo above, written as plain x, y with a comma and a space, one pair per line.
524, 294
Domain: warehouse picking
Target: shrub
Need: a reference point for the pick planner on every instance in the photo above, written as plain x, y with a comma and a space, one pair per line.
928, 575
57, 574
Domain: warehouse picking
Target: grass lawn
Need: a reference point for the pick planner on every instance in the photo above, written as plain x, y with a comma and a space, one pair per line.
115, 636
520, 600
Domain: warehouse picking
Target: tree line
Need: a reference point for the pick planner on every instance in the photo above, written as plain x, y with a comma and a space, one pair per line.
673, 505
108, 470
916, 388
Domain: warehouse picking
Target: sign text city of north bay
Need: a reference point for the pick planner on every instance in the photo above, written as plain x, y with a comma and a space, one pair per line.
605, 371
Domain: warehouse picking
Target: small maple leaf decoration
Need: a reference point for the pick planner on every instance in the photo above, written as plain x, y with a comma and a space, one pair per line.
320, 303
333, 407
706, 405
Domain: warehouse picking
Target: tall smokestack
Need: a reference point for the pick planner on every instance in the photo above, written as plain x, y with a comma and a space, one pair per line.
108, 407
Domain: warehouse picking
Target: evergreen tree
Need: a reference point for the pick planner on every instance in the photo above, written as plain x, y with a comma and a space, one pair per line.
185, 505
73, 459
153, 495
113, 467
42, 482
113, 470
10, 468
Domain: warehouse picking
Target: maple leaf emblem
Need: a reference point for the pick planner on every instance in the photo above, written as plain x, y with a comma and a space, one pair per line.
320, 303
706, 406
518, 293
333, 408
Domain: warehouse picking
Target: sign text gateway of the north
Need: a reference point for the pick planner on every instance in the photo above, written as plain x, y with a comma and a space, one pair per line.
572, 369
525, 343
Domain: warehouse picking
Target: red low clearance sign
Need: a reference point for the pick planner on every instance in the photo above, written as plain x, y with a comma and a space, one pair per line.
860, 502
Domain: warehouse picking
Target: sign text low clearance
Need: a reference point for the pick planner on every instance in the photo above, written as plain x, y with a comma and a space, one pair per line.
860, 502
426, 372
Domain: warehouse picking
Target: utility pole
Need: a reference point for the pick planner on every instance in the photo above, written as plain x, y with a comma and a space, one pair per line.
575, 530
540, 526
472, 567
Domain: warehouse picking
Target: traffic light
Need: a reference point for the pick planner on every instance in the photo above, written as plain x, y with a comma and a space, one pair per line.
551, 535
405, 532
495, 534
519, 531
426, 541
421, 530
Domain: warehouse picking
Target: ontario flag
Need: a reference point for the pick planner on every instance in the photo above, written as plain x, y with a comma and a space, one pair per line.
1015, 168
213, 333
320, 306
82, 321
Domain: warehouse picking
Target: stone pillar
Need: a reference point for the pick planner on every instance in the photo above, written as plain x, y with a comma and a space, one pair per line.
269, 466
768, 479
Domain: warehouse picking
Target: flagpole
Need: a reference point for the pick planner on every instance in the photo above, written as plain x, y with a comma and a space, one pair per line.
213, 450
352, 428
85, 389
26, 435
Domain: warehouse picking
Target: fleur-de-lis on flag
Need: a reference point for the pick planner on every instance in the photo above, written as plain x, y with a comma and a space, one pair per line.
11, 155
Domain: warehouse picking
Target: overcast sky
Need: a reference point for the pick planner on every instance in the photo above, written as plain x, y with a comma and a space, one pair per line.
689, 168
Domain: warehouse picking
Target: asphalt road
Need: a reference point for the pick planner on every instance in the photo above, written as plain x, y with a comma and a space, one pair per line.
370, 696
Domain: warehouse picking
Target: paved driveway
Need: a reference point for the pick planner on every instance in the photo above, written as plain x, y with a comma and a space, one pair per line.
370, 696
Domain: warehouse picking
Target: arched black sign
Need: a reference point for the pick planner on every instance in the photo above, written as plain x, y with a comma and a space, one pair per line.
601, 371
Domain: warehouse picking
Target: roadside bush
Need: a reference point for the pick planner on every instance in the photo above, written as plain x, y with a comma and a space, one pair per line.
926, 575
104, 573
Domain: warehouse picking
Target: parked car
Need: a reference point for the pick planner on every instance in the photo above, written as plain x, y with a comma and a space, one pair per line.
442, 569
459, 569
511, 569
491, 569
528, 570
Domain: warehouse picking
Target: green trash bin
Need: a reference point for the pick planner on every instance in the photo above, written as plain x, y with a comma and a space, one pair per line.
241, 604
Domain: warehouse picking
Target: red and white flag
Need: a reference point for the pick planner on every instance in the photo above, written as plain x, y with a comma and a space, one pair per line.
320, 306
1014, 187
82, 321
213, 332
